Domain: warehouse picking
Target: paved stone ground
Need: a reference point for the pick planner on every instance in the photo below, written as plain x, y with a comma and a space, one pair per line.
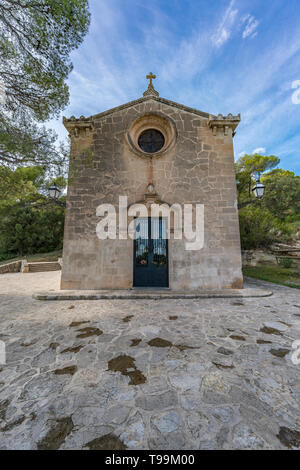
147, 374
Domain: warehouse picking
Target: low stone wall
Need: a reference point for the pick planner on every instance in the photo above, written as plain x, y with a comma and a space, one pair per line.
255, 257
14, 267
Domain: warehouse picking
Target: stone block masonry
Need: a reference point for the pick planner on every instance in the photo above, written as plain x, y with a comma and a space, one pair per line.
196, 165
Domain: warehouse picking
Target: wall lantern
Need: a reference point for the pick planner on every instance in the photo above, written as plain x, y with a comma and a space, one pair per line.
259, 188
54, 192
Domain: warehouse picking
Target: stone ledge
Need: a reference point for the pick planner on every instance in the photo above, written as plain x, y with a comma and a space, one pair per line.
150, 97
150, 294
11, 267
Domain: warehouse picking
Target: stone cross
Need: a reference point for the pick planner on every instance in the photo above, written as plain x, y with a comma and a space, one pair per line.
151, 90
151, 77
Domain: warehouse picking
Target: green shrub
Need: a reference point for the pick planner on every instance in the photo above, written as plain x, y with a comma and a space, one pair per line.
27, 230
260, 229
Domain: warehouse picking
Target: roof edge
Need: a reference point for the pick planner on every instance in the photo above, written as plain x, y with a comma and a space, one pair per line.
142, 100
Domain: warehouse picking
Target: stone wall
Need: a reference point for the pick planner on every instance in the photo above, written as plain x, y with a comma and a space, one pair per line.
258, 257
199, 168
13, 267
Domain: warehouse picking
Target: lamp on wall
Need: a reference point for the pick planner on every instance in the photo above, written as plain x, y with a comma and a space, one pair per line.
259, 188
54, 192
258, 191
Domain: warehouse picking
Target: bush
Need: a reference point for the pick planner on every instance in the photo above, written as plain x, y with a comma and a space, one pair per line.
27, 230
260, 229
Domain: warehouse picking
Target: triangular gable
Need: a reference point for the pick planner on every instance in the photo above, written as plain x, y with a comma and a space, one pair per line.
154, 98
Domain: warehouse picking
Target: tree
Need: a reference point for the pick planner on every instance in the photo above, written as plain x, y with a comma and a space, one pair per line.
260, 229
274, 218
19, 185
23, 142
29, 221
282, 195
36, 38
26, 186
246, 168
28, 230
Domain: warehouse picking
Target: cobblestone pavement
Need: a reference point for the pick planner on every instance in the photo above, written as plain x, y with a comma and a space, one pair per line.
147, 374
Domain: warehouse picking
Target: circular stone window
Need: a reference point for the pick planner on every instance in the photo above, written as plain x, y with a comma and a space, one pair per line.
151, 135
151, 141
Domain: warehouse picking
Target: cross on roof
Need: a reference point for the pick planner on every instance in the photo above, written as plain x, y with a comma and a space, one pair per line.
151, 77
151, 90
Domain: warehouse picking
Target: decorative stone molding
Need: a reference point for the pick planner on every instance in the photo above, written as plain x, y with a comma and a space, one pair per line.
224, 123
78, 127
150, 197
151, 91
152, 121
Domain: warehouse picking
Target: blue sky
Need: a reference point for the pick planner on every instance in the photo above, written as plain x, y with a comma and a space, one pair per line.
220, 56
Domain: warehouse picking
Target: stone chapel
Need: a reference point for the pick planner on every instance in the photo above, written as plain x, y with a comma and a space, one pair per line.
152, 150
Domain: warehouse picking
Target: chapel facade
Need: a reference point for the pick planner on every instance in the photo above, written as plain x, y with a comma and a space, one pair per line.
151, 151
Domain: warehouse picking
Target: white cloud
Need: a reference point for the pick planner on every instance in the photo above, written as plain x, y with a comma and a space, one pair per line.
111, 65
222, 37
225, 28
259, 150
251, 26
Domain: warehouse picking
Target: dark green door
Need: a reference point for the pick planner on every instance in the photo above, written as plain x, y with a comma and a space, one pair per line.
151, 253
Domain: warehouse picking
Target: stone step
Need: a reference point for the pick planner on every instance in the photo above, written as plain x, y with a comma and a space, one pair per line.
43, 267
151, 294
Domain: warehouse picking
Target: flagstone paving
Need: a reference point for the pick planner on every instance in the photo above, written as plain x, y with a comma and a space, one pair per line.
148, 374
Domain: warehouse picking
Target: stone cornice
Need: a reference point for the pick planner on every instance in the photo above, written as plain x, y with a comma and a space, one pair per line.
224, 123
75, 126
130, 104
